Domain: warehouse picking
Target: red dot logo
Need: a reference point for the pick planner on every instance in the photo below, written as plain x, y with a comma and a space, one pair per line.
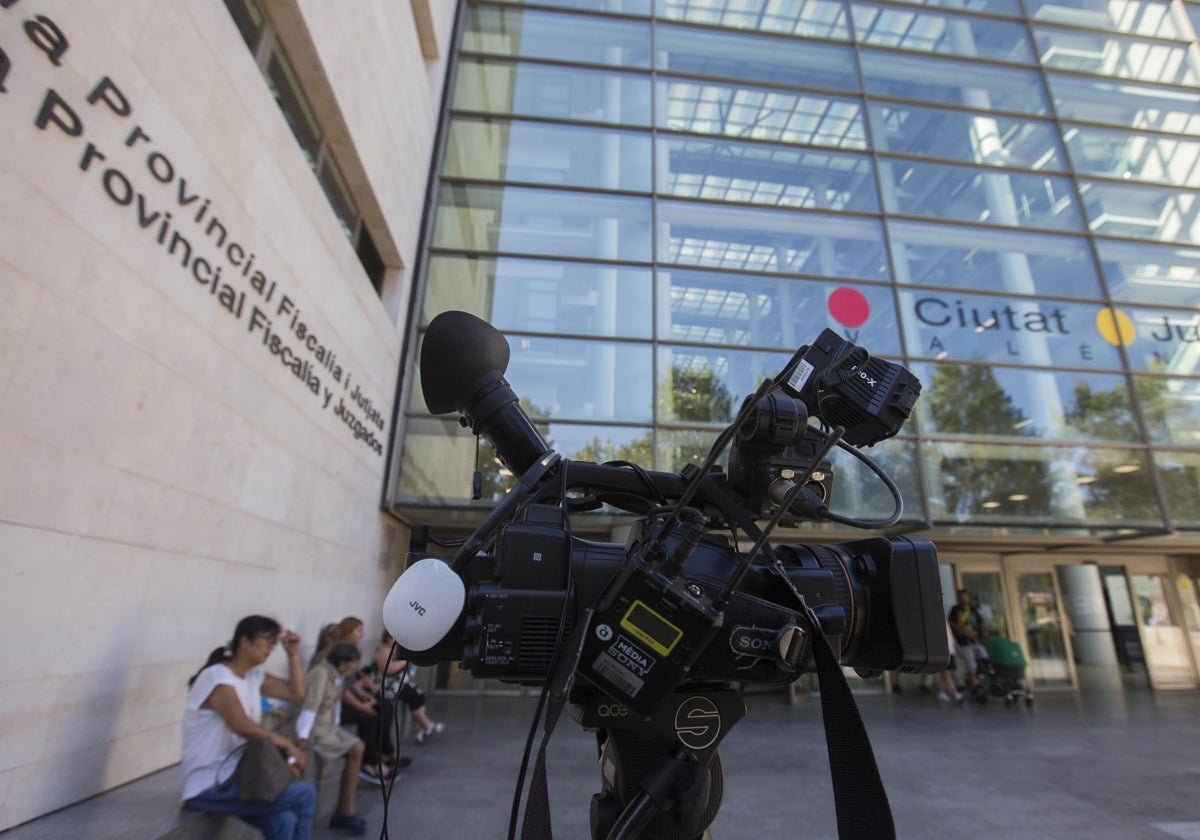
849, 307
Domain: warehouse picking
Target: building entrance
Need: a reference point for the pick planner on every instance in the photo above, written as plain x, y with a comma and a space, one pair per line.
1164, 610
1089, 626
1021, 601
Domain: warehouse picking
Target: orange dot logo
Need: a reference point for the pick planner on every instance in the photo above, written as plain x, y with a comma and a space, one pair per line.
1115, 327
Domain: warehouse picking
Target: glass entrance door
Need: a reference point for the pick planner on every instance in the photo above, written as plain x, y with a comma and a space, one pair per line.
987, 593
1187, 584
1042, 624
1164, 640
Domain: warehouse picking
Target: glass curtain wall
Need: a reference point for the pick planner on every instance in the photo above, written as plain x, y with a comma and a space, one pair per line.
658, 201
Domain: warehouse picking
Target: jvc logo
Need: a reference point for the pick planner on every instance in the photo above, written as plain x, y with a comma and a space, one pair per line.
417, 608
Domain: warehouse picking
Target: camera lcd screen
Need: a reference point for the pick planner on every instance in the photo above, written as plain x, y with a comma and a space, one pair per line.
651, 628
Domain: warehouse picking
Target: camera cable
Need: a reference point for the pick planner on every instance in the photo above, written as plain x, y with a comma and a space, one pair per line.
540, 769
381, 735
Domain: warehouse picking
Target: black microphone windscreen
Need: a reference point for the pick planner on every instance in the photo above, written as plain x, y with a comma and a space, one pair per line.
458, 351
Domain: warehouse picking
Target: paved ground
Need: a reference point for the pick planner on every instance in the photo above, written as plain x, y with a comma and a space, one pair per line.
1106, 765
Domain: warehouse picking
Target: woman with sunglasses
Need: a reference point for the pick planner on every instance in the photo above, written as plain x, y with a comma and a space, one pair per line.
224, 710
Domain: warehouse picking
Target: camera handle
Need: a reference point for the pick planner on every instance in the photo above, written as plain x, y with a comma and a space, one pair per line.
662, 777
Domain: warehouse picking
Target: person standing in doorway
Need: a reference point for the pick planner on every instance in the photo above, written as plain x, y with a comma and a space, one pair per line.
969, 634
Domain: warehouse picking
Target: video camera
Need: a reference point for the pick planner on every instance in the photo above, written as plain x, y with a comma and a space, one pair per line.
678, 600
683, 606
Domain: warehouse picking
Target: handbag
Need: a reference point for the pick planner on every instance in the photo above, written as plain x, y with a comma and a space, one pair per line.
262, 772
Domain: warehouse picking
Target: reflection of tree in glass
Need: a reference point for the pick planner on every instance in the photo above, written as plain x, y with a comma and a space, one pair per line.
639, 451
694, 395
1101, 415
496, 483
684, 394
1110, 495
968, 400
1169, 419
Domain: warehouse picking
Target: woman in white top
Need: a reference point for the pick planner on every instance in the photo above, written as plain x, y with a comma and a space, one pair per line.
224, 710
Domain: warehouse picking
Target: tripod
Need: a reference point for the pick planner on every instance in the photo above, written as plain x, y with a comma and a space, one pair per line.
662, 778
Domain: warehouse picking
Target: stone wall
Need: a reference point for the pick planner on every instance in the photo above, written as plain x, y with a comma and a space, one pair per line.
196, 375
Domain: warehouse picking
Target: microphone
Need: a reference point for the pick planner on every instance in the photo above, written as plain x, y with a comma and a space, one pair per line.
463, 359
423, 604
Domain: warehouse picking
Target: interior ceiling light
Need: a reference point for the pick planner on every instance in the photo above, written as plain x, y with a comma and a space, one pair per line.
1019, 497
1023, 423
1126, 468
1087, 479
990, 505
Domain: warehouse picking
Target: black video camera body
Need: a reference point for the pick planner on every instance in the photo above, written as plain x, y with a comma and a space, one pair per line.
679, 602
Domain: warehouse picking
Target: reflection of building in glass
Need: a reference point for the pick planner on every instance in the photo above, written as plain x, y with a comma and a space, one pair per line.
1004, 196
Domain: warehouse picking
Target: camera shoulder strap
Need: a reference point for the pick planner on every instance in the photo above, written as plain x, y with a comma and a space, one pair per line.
861, 802
536, 825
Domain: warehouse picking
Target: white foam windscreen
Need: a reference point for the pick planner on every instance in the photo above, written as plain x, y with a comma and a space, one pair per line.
423, 604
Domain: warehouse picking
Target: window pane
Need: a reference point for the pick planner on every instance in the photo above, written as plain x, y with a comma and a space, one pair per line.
756, 113
250, 20
1152, 18
757, 58
708, 384
1032, 485
338, 193
993, 401
737, 309
576, 442
574, 156
542, 222
966, 136
555, 36
1142, 157
760, 174
807, 18
290, 96
969, 194
771, 240
565, 93
438, 461
440, 457
1171, 408
1145, 273
1016, 261
543, 295
624, 7
1114, 56
674, 449
953, 82
1180, 476
1006, 330
1142, 212
859, 493
1125, 105
996, 7
928, 31
1162, 341
571, 379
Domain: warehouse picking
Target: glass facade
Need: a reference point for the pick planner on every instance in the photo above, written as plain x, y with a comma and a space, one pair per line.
1003, 195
